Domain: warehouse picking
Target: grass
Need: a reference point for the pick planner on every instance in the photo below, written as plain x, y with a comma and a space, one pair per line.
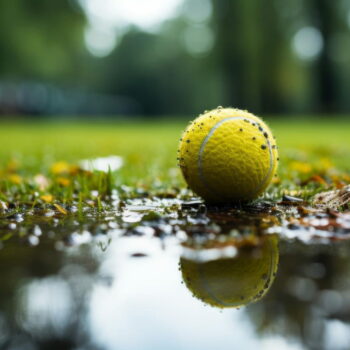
314, 155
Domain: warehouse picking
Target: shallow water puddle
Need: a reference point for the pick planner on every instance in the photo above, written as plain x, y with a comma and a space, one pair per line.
167, 274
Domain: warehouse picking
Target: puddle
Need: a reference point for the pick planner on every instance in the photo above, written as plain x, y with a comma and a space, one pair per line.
168, 274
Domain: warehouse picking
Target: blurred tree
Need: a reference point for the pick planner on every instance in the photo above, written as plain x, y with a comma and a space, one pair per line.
41, 39
250, 48
325, 15
328, 19
303, 298
251, 60
159, 74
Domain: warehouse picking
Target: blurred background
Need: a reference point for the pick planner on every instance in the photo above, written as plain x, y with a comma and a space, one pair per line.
173, 57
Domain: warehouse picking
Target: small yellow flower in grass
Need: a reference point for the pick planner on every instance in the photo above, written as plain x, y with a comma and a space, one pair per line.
60, 167
63, 181
48, 198
301, 167
61, 209
15, 179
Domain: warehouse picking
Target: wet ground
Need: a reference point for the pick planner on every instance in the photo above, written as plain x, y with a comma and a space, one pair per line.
171, 274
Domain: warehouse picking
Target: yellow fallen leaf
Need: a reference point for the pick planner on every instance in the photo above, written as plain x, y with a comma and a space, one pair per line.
74, 169
63, 181
48, 198
61, 209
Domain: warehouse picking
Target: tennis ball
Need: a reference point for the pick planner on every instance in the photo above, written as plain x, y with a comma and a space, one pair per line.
233, 282
228, 155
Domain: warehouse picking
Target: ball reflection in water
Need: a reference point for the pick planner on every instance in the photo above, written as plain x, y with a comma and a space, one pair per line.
235, 281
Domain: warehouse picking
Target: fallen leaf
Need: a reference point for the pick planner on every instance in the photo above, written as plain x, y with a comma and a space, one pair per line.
63, 181
48, 198
333, 199
61, 209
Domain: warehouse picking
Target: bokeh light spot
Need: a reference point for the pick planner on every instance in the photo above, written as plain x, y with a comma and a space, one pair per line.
308, 43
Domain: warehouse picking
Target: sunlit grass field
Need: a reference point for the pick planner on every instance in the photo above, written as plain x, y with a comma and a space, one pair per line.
313, 153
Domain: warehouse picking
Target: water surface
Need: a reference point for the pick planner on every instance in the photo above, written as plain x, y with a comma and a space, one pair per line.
117, 282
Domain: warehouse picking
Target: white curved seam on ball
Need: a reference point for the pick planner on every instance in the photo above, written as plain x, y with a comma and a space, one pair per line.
204, 143
206, 140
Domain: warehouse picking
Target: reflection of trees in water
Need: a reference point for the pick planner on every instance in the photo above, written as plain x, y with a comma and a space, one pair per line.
44, 295
309, 299
43, 301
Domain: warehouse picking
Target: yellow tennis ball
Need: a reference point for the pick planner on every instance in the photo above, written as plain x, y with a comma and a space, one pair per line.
228, 155
233, 282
